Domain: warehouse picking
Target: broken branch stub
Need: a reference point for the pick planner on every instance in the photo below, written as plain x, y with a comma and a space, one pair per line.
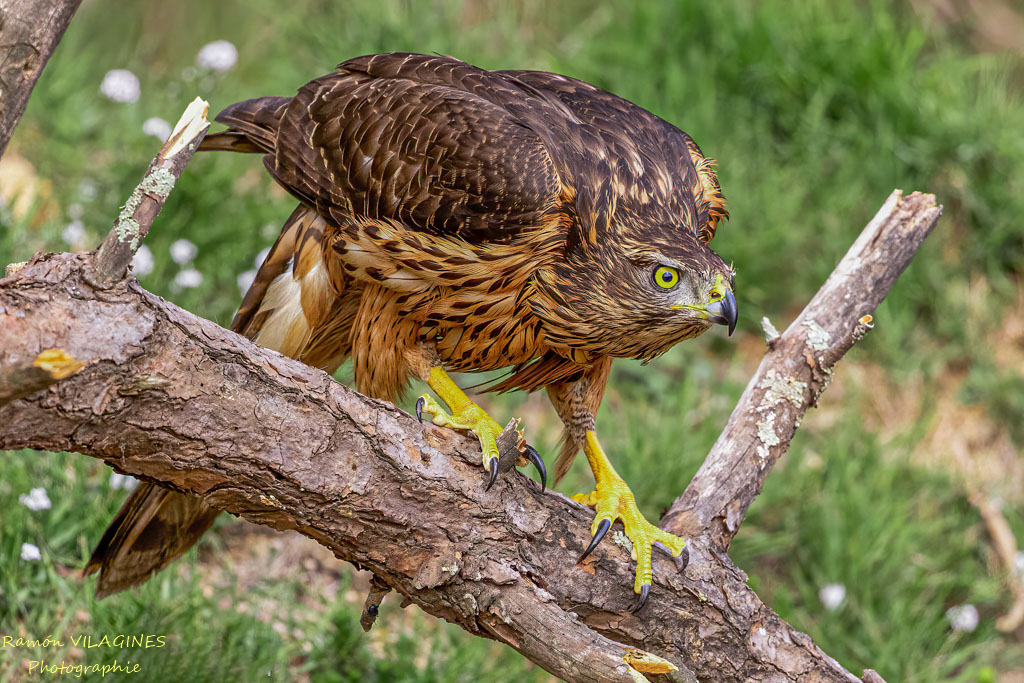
115, 254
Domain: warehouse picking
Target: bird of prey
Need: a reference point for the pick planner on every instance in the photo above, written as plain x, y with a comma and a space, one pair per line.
452, 218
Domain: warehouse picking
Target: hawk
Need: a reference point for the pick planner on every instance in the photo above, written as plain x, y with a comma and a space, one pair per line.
455, 219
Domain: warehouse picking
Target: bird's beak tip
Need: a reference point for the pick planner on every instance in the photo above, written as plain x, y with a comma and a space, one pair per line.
724, 311
731, 312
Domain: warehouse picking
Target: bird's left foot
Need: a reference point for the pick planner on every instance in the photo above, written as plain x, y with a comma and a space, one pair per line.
501, 448
613, 500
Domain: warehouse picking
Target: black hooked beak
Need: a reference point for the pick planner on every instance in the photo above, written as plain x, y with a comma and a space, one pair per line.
723, 311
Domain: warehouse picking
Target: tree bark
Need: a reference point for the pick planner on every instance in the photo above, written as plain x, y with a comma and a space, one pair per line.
29, 32
177, 400
797, 368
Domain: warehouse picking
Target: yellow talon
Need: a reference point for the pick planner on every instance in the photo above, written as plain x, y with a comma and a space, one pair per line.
471, 417
468, 415
612, 500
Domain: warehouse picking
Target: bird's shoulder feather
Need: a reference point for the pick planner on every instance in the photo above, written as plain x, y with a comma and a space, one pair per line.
410, 139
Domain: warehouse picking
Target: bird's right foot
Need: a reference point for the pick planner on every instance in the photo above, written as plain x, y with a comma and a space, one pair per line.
612, 500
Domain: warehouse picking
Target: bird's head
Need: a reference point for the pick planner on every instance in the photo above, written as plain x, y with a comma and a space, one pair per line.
700, 285
639, 293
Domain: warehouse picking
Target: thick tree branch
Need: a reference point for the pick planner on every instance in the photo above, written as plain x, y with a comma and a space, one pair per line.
797, 369
29, 32
177, 400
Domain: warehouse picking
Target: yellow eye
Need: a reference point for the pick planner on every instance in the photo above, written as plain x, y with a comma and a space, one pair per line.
666, 277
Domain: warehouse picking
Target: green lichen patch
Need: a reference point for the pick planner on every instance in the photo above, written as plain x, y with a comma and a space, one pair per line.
781, 388
158, 183
817, 338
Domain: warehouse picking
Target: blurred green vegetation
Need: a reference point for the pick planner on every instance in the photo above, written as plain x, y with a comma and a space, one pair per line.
815, 111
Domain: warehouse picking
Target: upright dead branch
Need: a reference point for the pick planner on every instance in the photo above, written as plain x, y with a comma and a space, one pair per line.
797, 368
29, 32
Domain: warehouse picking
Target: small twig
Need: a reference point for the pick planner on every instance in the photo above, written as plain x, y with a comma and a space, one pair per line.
797, 369
1006, 550
378, 589
115, 254
18, 380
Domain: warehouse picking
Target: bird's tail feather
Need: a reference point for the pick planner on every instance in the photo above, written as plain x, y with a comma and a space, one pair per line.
154, 526
252, 126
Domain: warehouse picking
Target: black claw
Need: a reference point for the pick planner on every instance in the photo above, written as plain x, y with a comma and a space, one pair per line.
682, 560
533, 456
420, 405
644, 591
493, 464
602, 529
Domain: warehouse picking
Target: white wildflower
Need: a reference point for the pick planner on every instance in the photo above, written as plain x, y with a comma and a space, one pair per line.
220, 55
142, 262
832, 595
120, 85
87, 190
963, 617
188, 278
157, 127
123, 481
245, 280
30, 553
261, 257
74, 233
35, 500
76, 211
183, 251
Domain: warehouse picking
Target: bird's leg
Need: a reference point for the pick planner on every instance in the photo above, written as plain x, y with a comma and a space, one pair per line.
613, 500
467, 415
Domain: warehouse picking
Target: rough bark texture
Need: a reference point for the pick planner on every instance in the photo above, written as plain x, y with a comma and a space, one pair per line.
177, 400
797, 369
29, 32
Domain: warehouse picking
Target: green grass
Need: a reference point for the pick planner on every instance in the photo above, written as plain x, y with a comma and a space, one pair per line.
904, 543
815, 111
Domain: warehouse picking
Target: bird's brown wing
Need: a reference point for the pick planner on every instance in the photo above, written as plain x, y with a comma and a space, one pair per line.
407, 138
649, 152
